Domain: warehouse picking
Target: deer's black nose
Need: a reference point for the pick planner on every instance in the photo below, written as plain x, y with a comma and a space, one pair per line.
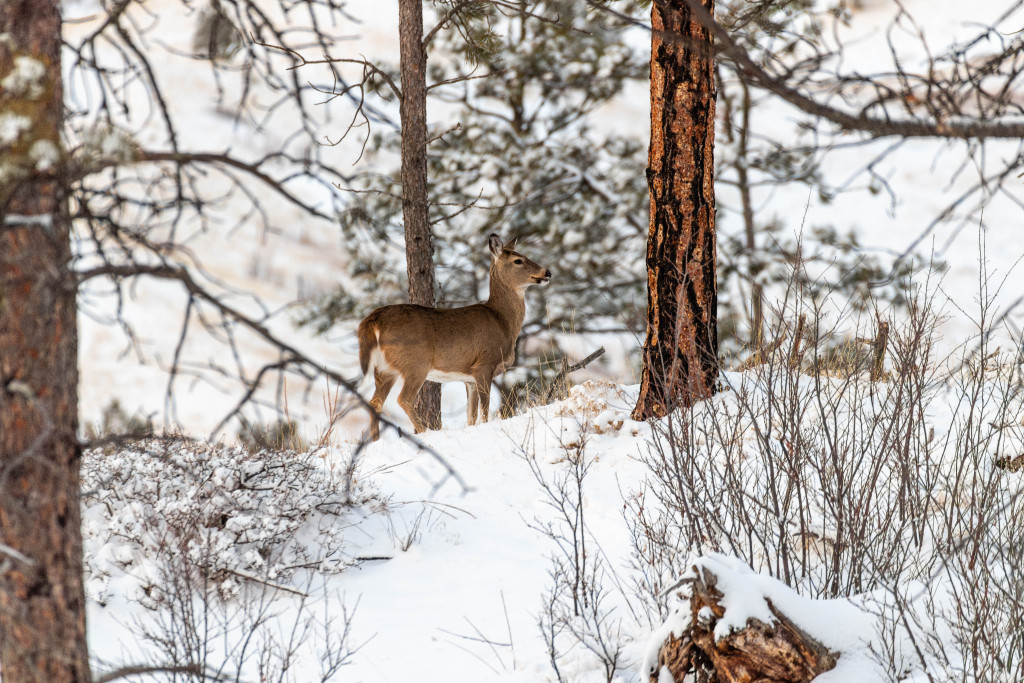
547, 273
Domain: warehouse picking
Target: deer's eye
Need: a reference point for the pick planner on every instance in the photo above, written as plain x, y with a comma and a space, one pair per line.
518, 262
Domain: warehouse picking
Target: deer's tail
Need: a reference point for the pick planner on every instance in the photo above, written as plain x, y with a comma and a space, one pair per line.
367, 335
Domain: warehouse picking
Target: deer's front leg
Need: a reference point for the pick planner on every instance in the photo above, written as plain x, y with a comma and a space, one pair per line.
483, 392
471, 403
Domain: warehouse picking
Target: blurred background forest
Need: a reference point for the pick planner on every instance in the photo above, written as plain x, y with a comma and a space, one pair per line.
213, 138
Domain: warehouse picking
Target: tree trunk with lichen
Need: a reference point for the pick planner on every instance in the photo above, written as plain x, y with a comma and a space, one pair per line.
779, 652
42, 601
680, 359
418, 238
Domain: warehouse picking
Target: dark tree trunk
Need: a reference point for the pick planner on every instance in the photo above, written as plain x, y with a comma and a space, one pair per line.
418, 244
42, 601
681, 350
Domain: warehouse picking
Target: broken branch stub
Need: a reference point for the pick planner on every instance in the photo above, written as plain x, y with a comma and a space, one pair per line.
557, 382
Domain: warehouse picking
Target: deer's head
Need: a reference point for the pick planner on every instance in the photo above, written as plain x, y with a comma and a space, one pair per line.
513, 269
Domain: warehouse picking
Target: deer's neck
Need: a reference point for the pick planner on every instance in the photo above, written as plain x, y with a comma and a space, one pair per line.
509, 304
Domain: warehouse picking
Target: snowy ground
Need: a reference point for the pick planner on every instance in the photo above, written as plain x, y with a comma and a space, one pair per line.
463, 567
441, 574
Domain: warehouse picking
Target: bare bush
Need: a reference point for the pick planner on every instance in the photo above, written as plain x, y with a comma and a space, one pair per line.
839, 486
116, 421
576, 611
257, 635
278, 435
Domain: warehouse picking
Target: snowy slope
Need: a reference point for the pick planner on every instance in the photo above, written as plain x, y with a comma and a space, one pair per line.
463, 565
446, 578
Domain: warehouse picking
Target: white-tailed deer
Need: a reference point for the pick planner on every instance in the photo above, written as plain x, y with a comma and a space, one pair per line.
471, 344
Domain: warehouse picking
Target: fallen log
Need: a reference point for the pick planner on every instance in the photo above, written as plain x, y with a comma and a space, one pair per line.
1011, 464
777, 651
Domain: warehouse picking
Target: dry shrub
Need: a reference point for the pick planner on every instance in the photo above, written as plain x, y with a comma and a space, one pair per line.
838, 485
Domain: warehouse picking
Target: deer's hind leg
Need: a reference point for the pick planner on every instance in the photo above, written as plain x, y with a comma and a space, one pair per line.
384, 381
411, 384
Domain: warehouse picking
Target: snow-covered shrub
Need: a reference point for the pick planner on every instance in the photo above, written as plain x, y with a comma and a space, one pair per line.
589, 402
222, 515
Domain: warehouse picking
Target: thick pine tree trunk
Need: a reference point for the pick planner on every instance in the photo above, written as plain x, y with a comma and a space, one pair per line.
42, 601
680, 352
418, 246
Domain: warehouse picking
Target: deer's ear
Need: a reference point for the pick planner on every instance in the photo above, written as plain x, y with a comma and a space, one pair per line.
495, 244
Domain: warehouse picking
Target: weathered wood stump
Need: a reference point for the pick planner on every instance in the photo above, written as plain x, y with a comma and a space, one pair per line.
779, 652
1011, 464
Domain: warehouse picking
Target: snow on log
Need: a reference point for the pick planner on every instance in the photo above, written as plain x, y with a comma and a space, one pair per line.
737, 629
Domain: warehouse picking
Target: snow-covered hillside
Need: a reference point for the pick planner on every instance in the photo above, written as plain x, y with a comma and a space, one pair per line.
430, 567
489, 552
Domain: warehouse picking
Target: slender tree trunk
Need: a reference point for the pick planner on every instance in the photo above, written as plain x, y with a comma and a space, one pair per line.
681, 349
42, 601
743, 180
418, 242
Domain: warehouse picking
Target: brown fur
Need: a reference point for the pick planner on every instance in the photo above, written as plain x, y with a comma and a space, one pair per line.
367, 336
472, 344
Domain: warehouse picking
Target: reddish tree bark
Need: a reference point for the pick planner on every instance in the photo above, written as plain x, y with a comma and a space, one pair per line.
42, 601
680, 365
418, 238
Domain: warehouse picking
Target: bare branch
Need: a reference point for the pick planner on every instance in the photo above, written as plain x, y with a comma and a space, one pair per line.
966, 129
131, 671
373, 68
291, 355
